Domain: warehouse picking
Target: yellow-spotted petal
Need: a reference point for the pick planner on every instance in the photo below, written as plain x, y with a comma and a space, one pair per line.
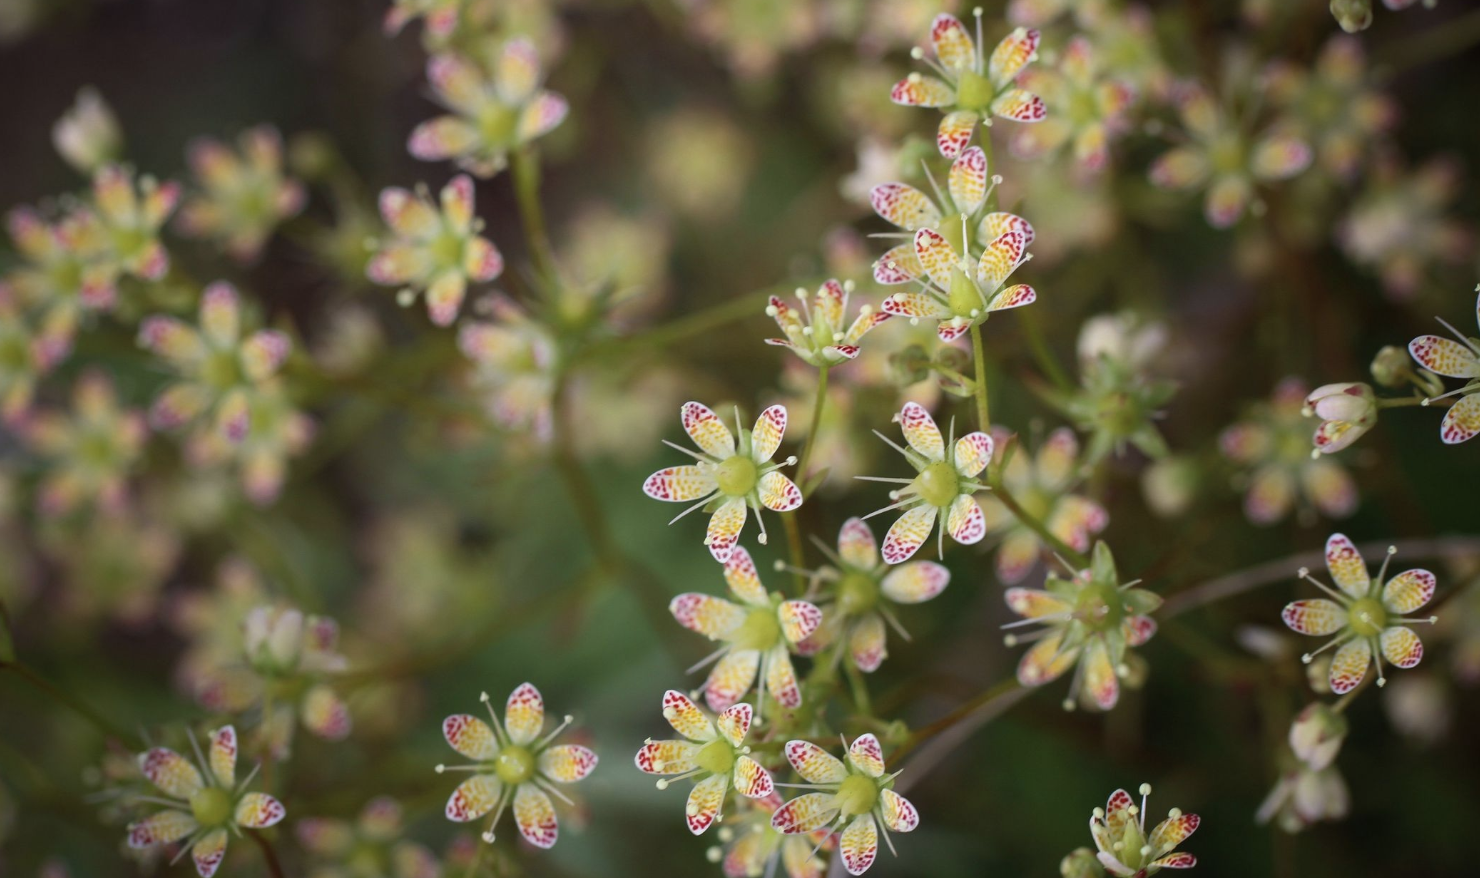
1445, 356
866, 755
1316, 617
856, 544
223, 756
867, 643
1173, 831
470, 736
898, 265
567, 763
922, 91
904, 206
208, 852
806, 813
859, 844
707, 430
1462, 422
908, 533
953, 45
678, 484
1016, 51
1349, 665
171, 773
1401, 646
473, 798
1409, 591
1020, 105
899, 813
535, 816
733, 723
162, 828
705, 801
915, 582
973, 453
781, 678
798, 619
766, 436
915, 305
966, 524
731, 678
815, 764
921, 432
778, 493
743, 579
954, 132
1347, 568
667, 757
967, 182
751, 780
686, 717
711, 616
999, 259
524, 714
999, 223
259, 810
724, 528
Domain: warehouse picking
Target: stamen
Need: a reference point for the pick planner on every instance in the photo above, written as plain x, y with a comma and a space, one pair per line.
1145, 792
503, 801
1459, 335
894, 623
205, 768
498, 727
1382, 572
891, 443
550, 788
940, 197
980, 47
256, 767
1304, 573
698, 505
709, 659
825, 549
689, 451
1457, 392
884, 830
1038, 620
885, 479
545, 741
906, 502
760, 521
1335, 641
441, 768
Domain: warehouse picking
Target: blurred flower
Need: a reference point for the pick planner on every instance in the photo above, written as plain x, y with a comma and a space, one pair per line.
627, 255
210, 621
20, 361
440, 17
1272, 447
513, 765
1303, 796
864, 590
1352, 15
1454, 359
1082, 863
1332, 104
1041, 485
1126, 850
1317, 734
1089, 620
756, 847
515, 361
350, 340
220, 371
973, 89
1170, 485
1089, 107
87, 134
857, 795
368, 847
732, 476
243, 196
113, 570
714, 752
817, 335
64, 272
758, 635
490, 115
1224, 159
1346, 412
1419, 707
91, 451
435, 252
1364, 617
946, 481
754, 35
699, 161
212, 804
1399, 225
1118, 400
130, 213
277, 431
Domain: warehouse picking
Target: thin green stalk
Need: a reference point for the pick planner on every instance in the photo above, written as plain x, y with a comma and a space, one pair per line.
988, 697
73, 703
983, 409
818, 402
526, 172
699, 322
859, 687
794, 549
269, 855
1064, 550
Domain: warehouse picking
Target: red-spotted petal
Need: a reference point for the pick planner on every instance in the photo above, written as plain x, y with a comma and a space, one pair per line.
161, 828
1045, 662
899, 814
1401, 646
908, 533
1349, 665
208, 852
223, 756
913, 305
1020, 106
921, 432
705, 801
1445, 356
711, 616
1316, 617
1178, 860
1409, 591
973, 453
524, 714
898, 265
707, 430
677, 484
798, 619
781, 678
724, 528
999, 259
1016, 51
815, 764
470, 736
859, 844
567, 763
1347, 568
686, 717
1014, 296
1462, 422
731, 678
867, 319
743, 580
965, 523
856, 544
915, 582
866, 755
805, 813
778, 493
922, 91
953, 45
999, 223
535, 816
259, 811
171, 773
751, 780
904, 206
1173, 831
867, 643
667, 757
734, 723
1138, 629
955, 132
473, 798
968, 180
936, 256
1035, 603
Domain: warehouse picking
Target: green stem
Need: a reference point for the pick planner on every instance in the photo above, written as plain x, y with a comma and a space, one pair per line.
1345, 700
995, 694
856, 682
983, 409
76, 705
269, 855
697, 323
818, 402
1003, 495
526, 171
794, 549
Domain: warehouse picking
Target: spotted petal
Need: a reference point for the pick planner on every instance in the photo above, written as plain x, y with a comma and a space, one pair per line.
1000, 258
677, 484
1347, 568
1177, 860
731, 678
667, 757
999, 223
781, 678
904, 206
711, 616
952, 44
798, 619
162, 828
470, 736
1016, 51
724, 528
541, 115
1462, 422
743, 580
223, 756
1401, 646
707, 430
259, 811
856, 544
916, 90
1020, 106
1408, 591
734, 723
806, 813
567, 763
1035, 603
536, 816
1445, 356
1173, 831
867, 643
966, 524
778, 493
859, 844
815, 764
955, 132
1137, 629
915, 582
524, 714
921, 432
171, 773
973, 453
1317, 617
1044, 662
915, 305
936, 256
899, 813
1349, 665
751, 780
686, 717
208, 852
898, 265
866, 755
908, 533
968, 180
1100, 681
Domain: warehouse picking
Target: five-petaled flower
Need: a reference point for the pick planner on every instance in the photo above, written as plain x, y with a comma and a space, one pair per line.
817, 335
1090, 621
91, 450
863, 588
965, 198
971, 89
961, 292
1365, 616
220, 370
512, 764
758, 632
758, 847
715, 752
436, 251
1089, 109
943, 488
211, 802
369, 845
856, 795
1126, 851
1041, 485
490, 115
242, 197
728, 476
130, 213
1454, 359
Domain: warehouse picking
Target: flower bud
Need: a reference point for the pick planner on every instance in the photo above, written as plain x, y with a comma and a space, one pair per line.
909, 366
1391, 366
274, 637
1352, 15
1081, 864
1346, 411
1316, 735
87, 135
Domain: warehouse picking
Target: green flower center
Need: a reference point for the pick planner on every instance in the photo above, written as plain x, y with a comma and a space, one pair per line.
964, 295
129, 242
210, 806
1099, 607
1227, 154
974, 92
938, 484
716, 757
1118, 413
760, 630
857, 593
514, 765
221, 370
1367, 617
1084, 108
447, 250
737, 476
856, 795
497, 124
